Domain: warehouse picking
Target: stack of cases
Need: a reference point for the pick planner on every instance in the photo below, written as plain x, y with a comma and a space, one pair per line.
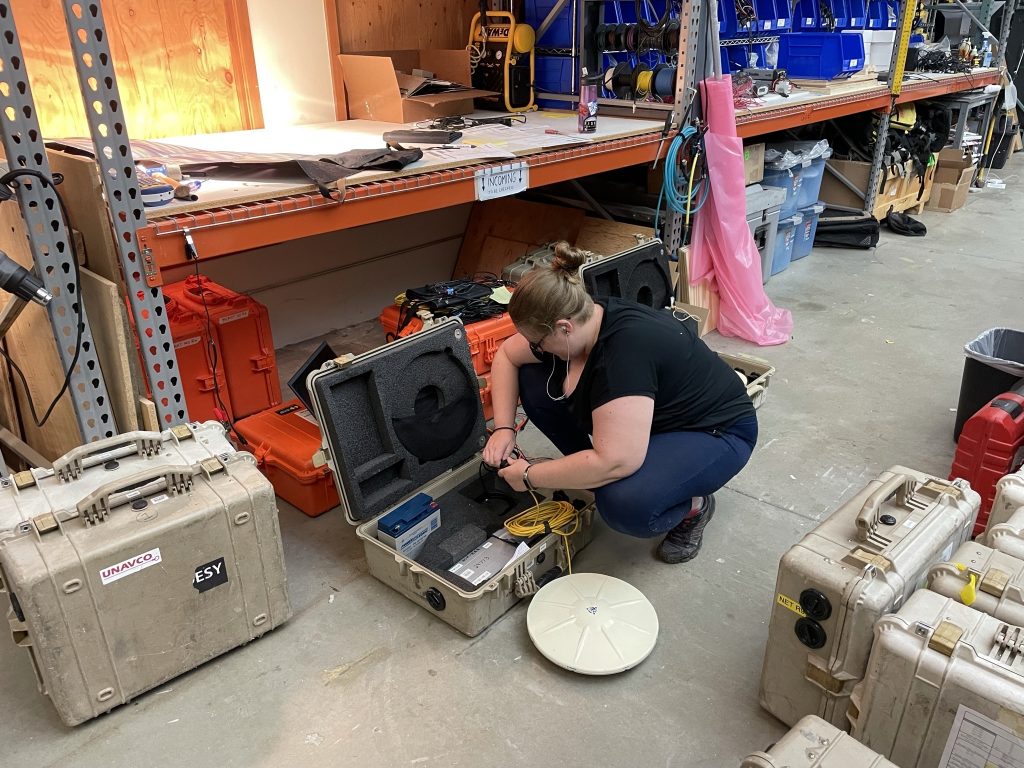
861, 563
383, 451
943, 679
484, 337
100, 624
991, 446
813, 743
244, 342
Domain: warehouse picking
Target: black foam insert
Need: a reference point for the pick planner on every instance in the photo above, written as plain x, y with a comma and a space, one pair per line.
640, 274
400, 416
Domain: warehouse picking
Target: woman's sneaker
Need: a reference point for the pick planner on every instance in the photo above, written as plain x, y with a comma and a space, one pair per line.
682, 543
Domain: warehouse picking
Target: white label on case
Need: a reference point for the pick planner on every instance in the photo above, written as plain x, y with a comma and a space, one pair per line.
159, 499
129, 566
976, 741
231, 318
481, 578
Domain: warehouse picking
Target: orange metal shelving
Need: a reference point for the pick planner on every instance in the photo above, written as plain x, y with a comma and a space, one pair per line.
231, 229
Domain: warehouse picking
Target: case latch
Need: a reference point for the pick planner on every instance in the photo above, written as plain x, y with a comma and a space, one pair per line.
994, 582
181, 432
945, 637
320, 459
23, 480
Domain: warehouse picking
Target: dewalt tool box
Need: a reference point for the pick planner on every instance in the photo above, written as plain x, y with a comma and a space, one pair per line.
82, 470
988, 581
144, 578
862, 562
813, 743
405, 419
943, 679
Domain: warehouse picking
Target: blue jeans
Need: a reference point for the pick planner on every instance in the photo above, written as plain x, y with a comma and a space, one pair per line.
678, 467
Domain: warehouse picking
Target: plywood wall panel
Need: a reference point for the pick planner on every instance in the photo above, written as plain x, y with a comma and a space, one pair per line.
387, 25
183, 67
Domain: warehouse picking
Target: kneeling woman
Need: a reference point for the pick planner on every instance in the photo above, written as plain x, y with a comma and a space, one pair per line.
644, 412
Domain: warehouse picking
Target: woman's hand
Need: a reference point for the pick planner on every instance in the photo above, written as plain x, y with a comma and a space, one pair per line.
499, 447
513, 474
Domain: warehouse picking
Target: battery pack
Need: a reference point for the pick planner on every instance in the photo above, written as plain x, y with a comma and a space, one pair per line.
406, 528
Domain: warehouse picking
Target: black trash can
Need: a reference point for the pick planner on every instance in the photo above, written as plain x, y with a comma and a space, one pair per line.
994, 364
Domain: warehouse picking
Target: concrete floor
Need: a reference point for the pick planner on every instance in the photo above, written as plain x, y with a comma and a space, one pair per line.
363, 677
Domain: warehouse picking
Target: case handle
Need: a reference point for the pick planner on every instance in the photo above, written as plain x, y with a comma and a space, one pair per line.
868, 518
177, 478
71, 465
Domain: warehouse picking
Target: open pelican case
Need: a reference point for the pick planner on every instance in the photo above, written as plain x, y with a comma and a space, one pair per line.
406, 419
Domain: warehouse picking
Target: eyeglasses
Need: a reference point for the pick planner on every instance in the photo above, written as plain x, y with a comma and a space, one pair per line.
535, 346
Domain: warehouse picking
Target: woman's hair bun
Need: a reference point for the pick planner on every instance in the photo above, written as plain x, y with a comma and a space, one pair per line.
568, 259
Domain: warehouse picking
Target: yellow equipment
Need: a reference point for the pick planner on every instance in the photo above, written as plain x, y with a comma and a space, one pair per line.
501, 56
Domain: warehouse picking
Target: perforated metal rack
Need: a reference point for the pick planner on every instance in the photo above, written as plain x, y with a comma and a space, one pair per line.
48, 237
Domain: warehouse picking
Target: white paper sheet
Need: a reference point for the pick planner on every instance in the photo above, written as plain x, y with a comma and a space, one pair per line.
976, 741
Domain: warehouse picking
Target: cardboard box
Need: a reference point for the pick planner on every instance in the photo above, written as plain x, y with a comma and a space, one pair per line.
374, 84
753, 164
954, 173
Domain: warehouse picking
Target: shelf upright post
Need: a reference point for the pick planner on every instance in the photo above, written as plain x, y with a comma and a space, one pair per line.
690, 19
1009, 9
48, 237
897, 64
98, 83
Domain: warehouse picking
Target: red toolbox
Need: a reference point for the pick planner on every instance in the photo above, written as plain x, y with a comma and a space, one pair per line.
195, 362
484, 336
991, 445
283, 440
244, 342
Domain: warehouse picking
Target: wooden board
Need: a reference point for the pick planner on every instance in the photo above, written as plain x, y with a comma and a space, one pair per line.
402, 24
108, 319
30, 344
182, 67
511, 221
82, 191
852, 84
606, 238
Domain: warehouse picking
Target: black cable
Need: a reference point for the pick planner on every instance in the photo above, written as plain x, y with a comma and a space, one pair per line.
227, 421
7, 180
645, 26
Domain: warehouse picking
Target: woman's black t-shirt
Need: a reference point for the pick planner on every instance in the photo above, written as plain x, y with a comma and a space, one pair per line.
644, 351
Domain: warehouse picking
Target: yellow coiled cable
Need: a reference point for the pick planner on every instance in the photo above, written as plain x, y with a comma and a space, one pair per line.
558, 517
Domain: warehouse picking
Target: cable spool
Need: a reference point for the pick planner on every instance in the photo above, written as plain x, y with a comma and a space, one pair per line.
670, 38
632, 38
621, 31
663, 81
619, 80
601, 37
642, 77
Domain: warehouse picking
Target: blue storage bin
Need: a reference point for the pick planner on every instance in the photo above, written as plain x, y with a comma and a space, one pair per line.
821, 55
559, 34
807, 15
736, 57
810, 181
883, 14
785, 239
858, 11
804, 239
729, 25
773, 15
555, 74
790, 180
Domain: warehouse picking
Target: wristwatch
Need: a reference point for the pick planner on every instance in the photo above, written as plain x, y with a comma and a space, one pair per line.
526, 478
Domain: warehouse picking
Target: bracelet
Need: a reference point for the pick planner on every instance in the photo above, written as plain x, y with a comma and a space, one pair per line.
526, 478
495, 429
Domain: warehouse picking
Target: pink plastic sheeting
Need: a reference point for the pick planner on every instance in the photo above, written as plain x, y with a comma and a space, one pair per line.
722, 246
